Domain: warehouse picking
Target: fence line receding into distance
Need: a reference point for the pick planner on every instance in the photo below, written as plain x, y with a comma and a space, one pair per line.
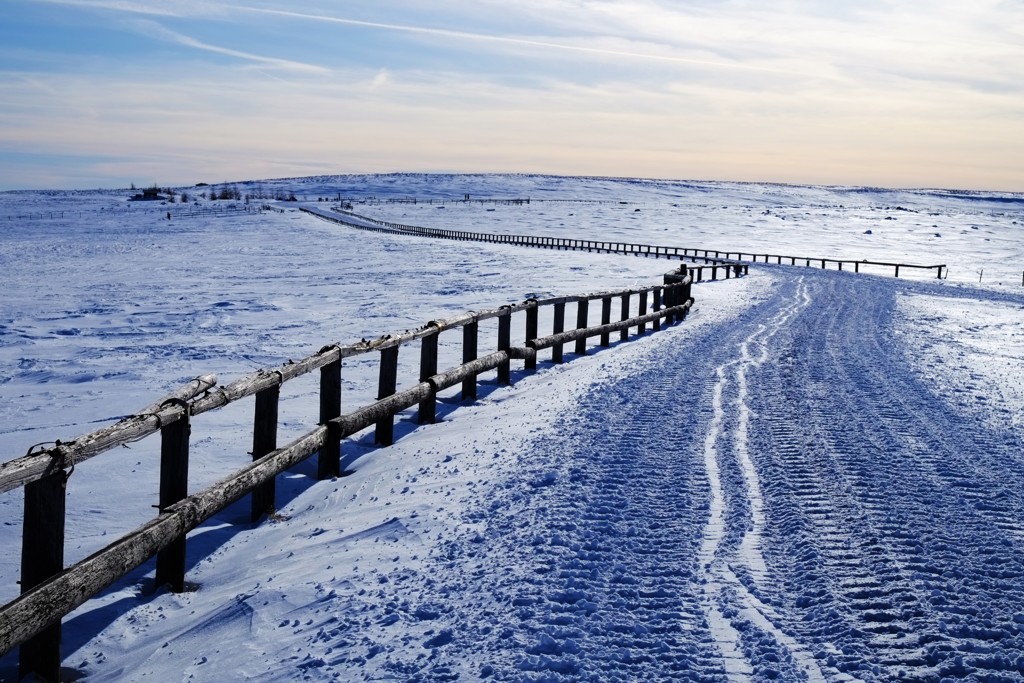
731, 262
49, 591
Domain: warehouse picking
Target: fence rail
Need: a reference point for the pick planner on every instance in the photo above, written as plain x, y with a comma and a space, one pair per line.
732, 262
712, 263
50, 591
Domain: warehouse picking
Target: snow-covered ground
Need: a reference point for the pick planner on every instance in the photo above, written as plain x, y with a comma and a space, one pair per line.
817, 476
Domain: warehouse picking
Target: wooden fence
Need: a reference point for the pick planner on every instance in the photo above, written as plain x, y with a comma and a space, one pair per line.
49, 591
729, 261
813, 262
713, 265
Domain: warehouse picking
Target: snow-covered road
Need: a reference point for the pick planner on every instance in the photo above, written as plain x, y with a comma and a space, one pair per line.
782, 499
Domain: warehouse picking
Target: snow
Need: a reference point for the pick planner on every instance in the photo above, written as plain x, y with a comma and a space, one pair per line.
971, 351
817, 476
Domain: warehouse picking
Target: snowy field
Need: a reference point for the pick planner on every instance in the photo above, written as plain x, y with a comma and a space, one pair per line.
817, 476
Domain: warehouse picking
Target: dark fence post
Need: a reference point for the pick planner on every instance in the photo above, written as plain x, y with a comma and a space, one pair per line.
657, 307
428, 368
329, 461
897, 270
504, 344
170, 562
42, 556
264, 440
469, 350
670, 299
642, 327
531, 333
606, 318
582, 308
557, 327
624, 332
384, 432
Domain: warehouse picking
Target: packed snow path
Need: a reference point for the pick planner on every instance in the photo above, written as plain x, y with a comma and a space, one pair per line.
784, 501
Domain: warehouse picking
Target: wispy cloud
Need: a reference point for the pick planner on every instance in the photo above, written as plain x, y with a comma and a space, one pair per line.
517, 41
180, 8
157, 30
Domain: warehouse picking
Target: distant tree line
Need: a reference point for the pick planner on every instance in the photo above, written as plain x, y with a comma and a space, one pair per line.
214, 193
257, 192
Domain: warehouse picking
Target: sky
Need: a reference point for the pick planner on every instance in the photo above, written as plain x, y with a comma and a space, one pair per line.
907, 93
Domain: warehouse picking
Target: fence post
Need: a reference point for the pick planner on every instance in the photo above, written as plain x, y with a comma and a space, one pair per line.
329, 460
897, 270
469, 342
582, 308
504, 344
384, 432
670, 299
606, 318
264, 440
557, 327
531, 333
684, 296
428, 368
656, 325
624, 312
170, 562
42, 556
642, 327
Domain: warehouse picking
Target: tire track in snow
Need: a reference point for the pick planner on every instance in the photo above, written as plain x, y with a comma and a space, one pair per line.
721, 586
587, 564
611, 595
836, 535
887, 556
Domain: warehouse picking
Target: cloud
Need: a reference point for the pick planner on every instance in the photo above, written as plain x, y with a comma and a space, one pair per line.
180, 8
381, 79
241, 126
518, 41
156, 30
811, 93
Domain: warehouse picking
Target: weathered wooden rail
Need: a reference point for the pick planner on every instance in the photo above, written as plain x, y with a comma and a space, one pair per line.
49, 591
729, 261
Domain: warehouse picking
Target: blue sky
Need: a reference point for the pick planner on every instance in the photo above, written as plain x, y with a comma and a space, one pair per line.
103, 93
